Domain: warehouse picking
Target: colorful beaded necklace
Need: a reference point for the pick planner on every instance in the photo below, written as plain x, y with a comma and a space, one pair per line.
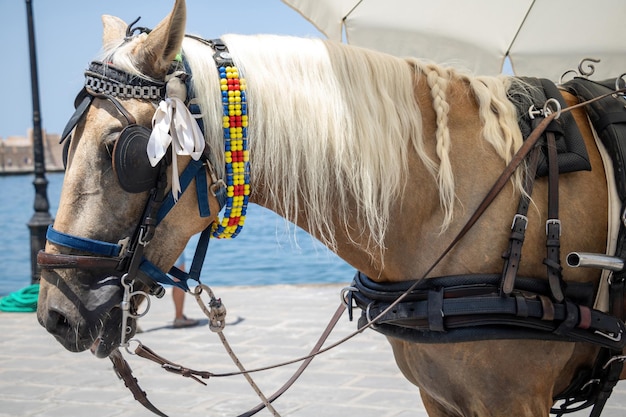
236, 154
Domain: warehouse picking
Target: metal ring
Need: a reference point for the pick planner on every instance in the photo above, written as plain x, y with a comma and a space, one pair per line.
547, 110
147, 297
369, 317
127, 347
343, 293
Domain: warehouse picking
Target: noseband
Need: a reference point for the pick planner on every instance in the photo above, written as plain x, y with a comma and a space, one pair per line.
135, 174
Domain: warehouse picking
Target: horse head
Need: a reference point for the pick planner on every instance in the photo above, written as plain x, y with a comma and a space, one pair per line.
109, 207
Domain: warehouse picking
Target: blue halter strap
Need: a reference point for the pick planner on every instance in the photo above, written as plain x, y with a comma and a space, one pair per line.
194, 170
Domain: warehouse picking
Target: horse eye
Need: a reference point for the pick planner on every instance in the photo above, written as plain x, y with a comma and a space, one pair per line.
109, 144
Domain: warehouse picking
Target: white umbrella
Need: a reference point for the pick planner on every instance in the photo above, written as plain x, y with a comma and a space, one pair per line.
542, 38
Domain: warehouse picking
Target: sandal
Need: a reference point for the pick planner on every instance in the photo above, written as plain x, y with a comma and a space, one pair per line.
185, 322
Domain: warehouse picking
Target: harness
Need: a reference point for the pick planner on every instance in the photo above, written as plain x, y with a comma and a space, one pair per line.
506, 306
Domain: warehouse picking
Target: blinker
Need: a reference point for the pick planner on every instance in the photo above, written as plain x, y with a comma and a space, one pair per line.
130, 161
134, 172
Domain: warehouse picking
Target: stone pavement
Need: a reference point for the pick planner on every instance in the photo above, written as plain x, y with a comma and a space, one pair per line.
266, 325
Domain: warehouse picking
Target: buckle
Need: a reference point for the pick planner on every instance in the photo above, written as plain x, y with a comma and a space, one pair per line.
519, 217
556, 222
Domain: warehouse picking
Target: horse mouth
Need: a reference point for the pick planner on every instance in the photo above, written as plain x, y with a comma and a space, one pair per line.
110, 336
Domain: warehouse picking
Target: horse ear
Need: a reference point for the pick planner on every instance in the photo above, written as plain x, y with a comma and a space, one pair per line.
164, 42
114, 31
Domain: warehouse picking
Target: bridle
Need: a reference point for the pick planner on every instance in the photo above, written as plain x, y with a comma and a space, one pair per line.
135, 175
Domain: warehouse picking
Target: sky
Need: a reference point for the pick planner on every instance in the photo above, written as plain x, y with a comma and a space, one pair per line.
68, 35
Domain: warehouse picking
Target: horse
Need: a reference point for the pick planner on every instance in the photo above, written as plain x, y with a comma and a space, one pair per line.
382, 159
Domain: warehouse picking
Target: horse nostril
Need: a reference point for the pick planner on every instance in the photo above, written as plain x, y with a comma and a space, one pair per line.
57, 323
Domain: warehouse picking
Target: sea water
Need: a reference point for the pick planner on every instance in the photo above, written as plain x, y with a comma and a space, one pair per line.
267, 251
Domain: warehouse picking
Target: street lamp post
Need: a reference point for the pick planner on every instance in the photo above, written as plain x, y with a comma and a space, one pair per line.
38, 224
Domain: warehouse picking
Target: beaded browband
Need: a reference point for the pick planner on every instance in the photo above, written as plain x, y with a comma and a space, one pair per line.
236, 153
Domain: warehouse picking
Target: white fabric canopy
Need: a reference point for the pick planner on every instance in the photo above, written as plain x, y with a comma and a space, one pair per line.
542, 38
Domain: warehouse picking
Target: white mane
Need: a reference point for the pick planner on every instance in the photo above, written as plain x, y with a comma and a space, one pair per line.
331, 126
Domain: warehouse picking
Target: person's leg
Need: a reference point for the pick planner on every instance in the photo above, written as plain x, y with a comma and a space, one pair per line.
178, 295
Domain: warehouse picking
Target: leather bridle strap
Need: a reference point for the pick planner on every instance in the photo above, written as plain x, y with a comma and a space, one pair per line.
125, 373
61, 261
147, 353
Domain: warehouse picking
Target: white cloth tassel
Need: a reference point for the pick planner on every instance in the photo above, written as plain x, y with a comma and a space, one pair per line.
174, 124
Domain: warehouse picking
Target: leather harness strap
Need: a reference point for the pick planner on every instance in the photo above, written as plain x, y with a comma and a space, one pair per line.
518, 228
125, 373
553, 225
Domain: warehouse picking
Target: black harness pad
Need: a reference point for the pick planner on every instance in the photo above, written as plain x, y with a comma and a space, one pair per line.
134, 172
608, 117
571, 151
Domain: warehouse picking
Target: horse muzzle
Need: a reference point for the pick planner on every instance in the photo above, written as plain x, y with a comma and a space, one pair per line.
78, 315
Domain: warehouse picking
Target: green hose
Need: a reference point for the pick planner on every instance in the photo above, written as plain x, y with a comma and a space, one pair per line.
22, 301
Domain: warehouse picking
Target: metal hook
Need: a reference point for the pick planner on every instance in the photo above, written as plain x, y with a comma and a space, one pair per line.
591, 67
582, 72
533, 112
617, 83
565, 73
